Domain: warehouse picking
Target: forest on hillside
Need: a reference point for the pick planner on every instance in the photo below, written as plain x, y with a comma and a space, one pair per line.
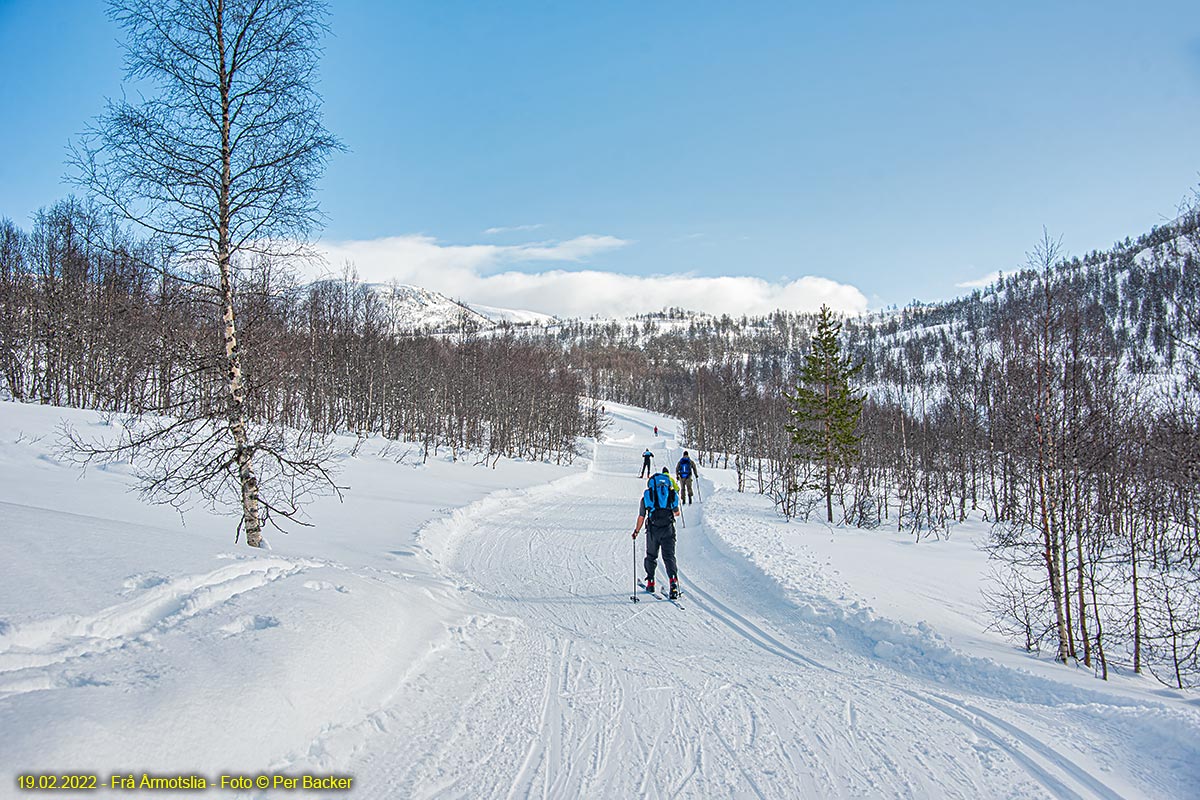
1062, 405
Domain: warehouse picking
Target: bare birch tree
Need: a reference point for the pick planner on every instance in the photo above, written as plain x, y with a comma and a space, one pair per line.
220, 160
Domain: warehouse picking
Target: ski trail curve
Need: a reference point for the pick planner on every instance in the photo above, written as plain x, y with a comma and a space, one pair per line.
590, 695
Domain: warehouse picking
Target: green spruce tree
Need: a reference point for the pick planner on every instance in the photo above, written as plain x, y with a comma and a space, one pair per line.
824, 409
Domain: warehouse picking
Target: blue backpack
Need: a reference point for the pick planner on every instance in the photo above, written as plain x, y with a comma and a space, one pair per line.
684, 468
660, 501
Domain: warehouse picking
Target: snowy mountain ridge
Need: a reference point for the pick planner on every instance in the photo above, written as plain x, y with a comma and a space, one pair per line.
417, 309
413, 308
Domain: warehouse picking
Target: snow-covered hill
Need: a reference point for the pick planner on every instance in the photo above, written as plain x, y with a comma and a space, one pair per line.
514, 316
416, 309
458, 631
412, 308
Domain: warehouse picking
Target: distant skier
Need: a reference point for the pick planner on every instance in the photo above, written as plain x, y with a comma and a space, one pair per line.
685, 470
658, 509
646, 469
656, 430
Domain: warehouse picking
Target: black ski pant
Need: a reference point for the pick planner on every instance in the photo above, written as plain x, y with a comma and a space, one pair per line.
646, 470
660, 540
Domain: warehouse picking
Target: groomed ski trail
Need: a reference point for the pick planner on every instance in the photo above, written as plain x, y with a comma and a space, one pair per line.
564, 688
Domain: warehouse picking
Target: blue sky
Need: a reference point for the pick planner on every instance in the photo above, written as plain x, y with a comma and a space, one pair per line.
901, 149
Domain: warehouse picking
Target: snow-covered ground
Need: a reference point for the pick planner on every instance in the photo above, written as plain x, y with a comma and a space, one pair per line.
457, 631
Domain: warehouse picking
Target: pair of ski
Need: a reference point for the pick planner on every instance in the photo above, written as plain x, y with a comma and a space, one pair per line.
661, 595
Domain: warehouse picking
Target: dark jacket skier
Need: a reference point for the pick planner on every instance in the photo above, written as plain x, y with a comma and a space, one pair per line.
658, 509
685, 470
646, 470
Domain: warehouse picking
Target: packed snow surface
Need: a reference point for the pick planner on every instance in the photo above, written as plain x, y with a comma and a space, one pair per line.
453, 630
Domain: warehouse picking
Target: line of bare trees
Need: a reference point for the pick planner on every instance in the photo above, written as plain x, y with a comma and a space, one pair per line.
1049, 406
93, 317
1092, 483
344, 367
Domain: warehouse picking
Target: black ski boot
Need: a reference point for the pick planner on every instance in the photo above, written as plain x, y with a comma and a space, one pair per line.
650, 585
674, 595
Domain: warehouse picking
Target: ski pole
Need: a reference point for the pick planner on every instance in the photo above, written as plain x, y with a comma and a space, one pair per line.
634, 596
699, 493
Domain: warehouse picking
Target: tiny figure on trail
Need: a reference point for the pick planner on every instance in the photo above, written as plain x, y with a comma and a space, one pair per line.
658, 509
646, 470
685, 470
656, 430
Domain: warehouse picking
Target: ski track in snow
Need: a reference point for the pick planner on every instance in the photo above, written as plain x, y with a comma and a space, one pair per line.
25, 649
589, 695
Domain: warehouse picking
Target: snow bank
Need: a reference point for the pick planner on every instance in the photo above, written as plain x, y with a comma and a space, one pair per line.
133, 639
799, 559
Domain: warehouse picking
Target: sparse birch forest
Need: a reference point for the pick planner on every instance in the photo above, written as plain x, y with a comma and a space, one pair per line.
1062, 405
95, 318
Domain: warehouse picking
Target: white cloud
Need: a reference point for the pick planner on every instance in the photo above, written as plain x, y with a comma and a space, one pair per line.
466, 272
396, 256
514, 228
577, 249
980, 283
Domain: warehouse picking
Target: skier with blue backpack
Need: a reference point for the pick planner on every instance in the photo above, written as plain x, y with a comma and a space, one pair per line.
658, 509
685, 470
647, 470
